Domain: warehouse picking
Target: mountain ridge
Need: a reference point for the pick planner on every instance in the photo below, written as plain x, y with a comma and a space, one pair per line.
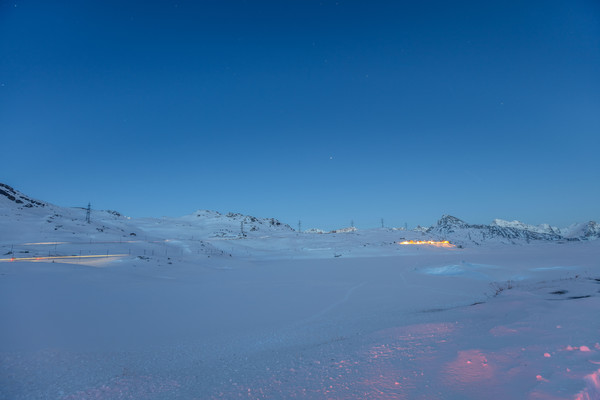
214, 223
452, 228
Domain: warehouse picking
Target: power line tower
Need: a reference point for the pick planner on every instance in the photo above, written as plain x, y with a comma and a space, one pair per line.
242, 228
299, 226
88, 212
382, 222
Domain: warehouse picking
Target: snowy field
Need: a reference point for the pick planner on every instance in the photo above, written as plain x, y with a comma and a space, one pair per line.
175, 311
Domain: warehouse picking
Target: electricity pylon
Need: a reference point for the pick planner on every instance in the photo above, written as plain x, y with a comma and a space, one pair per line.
88, 212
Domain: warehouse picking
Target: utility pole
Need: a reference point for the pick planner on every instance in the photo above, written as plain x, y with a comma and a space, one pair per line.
88, 212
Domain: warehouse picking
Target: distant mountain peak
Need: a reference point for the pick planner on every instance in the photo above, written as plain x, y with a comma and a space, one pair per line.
592, 229
542, 228
585, 230
449, 220
503, 222
249, 222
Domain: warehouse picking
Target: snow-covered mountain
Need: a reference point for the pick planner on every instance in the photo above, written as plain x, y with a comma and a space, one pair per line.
585, 230
543, 228
216, 224
23, 217
500, 231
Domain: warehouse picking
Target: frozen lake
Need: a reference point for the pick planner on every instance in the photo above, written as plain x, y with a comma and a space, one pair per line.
499, 322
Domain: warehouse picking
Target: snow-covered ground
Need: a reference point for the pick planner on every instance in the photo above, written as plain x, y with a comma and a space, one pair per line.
189, 308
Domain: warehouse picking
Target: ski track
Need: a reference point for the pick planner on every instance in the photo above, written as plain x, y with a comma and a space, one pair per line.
334, 305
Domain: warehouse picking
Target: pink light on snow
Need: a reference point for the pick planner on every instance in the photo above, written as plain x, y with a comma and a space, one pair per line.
585, 349
592, 389
469, 367
541, 378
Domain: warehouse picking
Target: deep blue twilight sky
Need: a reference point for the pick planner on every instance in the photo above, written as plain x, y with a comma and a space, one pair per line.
320, 111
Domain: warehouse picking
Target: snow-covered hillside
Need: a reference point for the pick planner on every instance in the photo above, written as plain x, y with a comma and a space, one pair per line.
29, 220
8, 194
228, 306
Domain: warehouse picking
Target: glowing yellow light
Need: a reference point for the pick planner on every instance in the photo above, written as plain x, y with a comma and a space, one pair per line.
60, 257
441, 243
